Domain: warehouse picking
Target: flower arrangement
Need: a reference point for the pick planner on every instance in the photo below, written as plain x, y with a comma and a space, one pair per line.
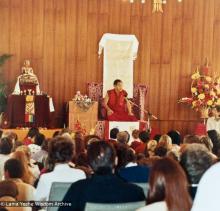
83, 101
205, 90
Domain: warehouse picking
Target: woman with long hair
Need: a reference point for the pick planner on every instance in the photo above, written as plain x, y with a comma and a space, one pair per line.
168, 187
27, 177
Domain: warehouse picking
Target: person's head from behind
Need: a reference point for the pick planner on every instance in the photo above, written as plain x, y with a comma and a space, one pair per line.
163, 186
32, 132
175, 136
61, 150
9, 134
26, 150
191, 139
101, 157
122, 137
160, 151
144, 136
206, 141
215, 138
135, 134
118, 85
157, 137
166, 141
56, 133
39, 139
6, 146
13, 169
20, 155
195, 160
125, 155
216, 111
151, 146
113, 133
8, 188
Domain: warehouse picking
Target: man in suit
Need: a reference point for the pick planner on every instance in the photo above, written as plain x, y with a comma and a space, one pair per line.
104, 186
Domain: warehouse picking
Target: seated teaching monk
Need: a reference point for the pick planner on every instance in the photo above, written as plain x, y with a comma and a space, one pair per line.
117, 105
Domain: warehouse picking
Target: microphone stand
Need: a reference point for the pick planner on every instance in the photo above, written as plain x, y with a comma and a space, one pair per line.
149, 115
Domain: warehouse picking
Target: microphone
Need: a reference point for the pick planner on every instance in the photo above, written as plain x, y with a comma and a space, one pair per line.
151, 115
148, 113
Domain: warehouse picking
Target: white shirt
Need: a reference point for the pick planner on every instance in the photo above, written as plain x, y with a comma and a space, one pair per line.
61, 173
208, 192
34, 148
3, 159
213, 124
157, 206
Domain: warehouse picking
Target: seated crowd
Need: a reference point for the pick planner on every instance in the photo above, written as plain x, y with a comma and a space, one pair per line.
168, 172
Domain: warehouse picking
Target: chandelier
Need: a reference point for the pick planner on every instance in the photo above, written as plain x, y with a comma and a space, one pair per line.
157, 4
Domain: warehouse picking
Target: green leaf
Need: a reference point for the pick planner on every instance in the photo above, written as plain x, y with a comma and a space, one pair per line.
4, 58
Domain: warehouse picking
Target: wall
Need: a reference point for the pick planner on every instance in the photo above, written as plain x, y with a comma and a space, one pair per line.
61, 39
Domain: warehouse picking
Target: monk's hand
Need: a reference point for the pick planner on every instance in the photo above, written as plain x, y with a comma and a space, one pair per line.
130, 114
109, 112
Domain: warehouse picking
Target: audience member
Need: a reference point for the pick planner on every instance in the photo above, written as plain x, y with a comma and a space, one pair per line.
135, 135
129, 170
207, 195
173, 155
56, 133
122, 137
5, 150
213, 122
41, 155
195, 160
32, 165
144, 137
36, 146
164, 193
8, 193
104, 186
14, 171
136, 140
175, 136
206, 141
27, 176
61, 152
191, 139
157, 137
215, 138
160, 151
29, 139
82, 163
151, 146
166, 142
113, 133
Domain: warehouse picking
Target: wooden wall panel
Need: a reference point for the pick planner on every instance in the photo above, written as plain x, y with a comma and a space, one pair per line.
61, 39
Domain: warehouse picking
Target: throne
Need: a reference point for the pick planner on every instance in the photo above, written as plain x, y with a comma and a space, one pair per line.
94, 91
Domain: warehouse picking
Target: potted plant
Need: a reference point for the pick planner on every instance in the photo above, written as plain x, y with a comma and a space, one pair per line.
3, 97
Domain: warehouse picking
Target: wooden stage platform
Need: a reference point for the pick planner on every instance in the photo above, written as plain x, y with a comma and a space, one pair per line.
23, 132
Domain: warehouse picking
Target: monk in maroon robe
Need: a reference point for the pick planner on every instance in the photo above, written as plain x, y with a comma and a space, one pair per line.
117, 105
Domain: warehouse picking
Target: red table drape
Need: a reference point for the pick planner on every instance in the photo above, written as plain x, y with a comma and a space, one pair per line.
16, 111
